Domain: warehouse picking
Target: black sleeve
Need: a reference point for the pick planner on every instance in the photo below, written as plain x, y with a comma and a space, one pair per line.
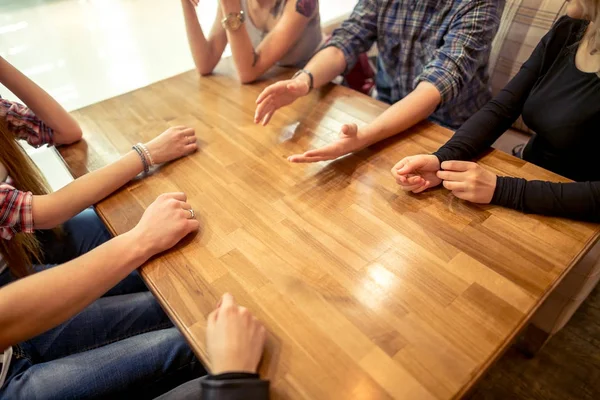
234, 387
580, 200
488, 124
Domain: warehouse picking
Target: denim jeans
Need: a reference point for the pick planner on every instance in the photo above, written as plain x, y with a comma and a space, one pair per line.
121, 346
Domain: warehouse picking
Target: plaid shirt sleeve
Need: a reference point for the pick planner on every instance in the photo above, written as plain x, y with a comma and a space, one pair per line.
15, 211
357, 34
23, 123
466, 48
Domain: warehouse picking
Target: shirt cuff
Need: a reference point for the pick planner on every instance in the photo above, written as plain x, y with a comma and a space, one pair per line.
27, 214
442, 79
509, 192
234, 389
349, 54
232, 375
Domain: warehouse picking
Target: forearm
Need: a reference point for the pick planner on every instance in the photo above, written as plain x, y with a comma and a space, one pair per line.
52, 210
202, 52
37, 303
66, 129
580, 200
325, 66
409, 111
242, 50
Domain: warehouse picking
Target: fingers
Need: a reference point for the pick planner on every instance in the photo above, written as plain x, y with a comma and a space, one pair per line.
451, 176
268, 118
227, 301
458, 166
263, 109
192, 225
423, 188
407, 167
176, 195
212, 317
270, 90
188, 131
303, 159
455, 186
190, 148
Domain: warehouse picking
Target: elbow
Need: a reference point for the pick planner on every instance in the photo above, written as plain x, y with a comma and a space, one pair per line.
69, 137
204, 71
247, 79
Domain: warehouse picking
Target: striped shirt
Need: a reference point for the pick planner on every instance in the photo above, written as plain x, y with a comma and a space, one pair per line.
15, 206
446, 43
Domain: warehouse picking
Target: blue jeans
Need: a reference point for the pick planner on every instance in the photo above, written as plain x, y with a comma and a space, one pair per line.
121, 346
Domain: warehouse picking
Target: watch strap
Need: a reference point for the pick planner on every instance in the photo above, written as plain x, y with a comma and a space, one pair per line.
310, 76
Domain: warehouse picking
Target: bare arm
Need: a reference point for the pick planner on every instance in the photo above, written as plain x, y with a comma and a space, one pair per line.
206, 53
325, 66
55, 208
252, 63
66, 129
36, 297
409, 111
415, 107
31, 305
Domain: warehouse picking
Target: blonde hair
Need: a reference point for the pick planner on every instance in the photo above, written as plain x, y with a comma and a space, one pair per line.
591, 9
23, 249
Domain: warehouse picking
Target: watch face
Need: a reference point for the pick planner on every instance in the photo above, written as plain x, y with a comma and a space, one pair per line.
235, 23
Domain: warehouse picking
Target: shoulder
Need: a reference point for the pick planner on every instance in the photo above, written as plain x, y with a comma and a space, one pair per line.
306, 8
567, 31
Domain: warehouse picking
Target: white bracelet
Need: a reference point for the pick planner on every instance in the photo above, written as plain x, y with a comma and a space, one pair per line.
147, 153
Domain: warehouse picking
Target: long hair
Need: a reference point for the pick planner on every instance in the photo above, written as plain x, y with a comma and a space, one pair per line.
592, 12
23, 249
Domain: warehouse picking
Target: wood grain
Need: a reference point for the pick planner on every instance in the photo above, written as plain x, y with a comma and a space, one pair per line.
367, 292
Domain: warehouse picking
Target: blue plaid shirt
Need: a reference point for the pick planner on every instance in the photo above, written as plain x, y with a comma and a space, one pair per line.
446, 43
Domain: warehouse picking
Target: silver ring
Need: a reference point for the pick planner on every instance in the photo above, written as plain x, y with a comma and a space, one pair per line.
192, 213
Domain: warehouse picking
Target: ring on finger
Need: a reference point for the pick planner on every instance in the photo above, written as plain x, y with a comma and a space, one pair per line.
192, 213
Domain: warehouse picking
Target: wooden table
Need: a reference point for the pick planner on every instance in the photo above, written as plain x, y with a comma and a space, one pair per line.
367, 292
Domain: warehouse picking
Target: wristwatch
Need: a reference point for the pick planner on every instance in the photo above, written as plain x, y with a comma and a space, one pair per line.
310, 77
233, 21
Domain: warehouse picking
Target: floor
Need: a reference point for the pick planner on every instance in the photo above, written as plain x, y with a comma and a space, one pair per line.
568, 368
85, 51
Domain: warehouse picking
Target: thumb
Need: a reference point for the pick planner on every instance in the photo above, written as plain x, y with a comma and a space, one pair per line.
349, 130
297, 87
405, 168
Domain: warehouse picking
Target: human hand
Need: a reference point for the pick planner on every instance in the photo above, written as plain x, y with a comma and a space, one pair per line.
173, 143
194, 2
468, 181
417, 173
347, 143
234, 338
164, 223
278, 95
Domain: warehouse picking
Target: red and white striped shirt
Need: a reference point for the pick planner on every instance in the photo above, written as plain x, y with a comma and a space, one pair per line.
15, 206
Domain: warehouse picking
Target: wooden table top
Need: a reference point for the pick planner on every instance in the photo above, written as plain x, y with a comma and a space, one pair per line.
366, 292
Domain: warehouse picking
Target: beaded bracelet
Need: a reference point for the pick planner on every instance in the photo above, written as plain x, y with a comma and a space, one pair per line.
143, 157
147, 152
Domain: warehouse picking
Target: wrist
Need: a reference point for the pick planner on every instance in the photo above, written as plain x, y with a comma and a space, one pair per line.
367, 135
231, 6
305, 77
139, 247
230, 368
